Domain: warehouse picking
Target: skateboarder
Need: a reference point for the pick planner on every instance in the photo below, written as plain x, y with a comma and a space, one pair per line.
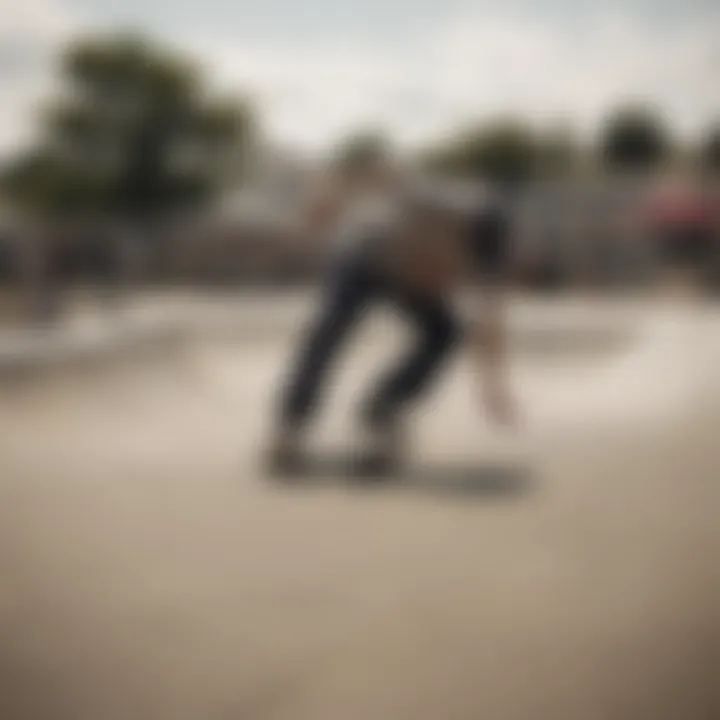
411, 247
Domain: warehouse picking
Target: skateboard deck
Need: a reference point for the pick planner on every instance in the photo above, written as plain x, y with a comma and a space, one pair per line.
336, 464
435, 477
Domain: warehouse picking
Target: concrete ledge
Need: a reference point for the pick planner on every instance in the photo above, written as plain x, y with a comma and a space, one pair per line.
28, 352
163, 325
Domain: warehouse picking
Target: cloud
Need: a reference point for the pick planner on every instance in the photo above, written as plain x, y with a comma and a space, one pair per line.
543, 68
312, 89
475, 65
310, 92
30, 34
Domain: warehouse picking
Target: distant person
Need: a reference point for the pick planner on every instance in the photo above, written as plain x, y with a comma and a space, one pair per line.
409, 247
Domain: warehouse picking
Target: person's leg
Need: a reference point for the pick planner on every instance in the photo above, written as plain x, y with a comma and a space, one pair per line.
438, 332
350, 287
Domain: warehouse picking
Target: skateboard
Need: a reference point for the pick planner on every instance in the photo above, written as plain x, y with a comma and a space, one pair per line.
334, 464
460, 479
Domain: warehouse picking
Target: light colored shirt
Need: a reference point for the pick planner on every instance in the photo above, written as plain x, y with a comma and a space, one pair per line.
422, 232
368, 220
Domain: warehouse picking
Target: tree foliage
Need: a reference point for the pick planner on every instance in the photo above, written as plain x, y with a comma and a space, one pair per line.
134, 133
710, 149
634, 138
361, 148
504, 150
557, 152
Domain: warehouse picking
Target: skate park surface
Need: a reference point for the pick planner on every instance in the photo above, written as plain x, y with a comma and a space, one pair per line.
150, 571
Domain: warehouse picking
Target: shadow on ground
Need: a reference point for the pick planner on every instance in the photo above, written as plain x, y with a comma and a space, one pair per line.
440, 479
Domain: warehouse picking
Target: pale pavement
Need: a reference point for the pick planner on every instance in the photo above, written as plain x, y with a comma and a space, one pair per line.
149, 572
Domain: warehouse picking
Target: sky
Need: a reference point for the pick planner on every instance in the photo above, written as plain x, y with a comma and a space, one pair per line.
317, 69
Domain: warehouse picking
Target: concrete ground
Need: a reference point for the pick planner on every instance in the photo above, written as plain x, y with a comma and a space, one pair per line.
150, 572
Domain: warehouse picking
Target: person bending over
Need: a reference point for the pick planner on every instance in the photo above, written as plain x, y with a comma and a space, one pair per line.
412, 247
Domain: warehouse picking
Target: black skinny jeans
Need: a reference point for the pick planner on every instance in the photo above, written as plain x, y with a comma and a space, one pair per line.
352, 287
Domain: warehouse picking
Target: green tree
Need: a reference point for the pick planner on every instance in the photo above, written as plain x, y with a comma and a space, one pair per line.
557, 153
634, 139
134, 134
503, 150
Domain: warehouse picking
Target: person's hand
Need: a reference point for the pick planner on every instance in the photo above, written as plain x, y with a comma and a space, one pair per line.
500, 405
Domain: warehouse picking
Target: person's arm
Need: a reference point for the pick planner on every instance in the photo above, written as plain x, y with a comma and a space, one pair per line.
491, 349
